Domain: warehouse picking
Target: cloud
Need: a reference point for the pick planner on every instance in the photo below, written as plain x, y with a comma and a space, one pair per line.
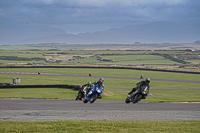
58, 12
101, 3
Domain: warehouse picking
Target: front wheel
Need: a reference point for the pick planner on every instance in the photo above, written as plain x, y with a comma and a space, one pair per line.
137, 98
80, 95
85, 101
94, 97
127, 100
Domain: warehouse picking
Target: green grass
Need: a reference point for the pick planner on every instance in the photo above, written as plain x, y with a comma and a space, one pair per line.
133, 57
108, 82
49, 93
23, 62
136, 52
24, 55
115, 95
141, 62
107, 72
86, 60
108, 94
28, 51
127, 60
193, 61
173, 96
102, 126
119, 57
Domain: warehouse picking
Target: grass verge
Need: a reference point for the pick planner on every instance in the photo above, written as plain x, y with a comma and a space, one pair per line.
102, 126
108, 94
107, 72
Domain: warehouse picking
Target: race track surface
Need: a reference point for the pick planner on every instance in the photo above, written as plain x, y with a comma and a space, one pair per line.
50, 110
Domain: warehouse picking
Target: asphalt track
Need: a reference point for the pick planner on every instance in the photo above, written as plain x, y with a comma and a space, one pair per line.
51, 109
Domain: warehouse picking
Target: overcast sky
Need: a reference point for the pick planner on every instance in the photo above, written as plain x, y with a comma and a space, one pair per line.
76, 16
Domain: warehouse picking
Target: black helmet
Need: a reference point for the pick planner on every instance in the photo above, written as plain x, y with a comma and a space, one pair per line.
101, 80
147, 80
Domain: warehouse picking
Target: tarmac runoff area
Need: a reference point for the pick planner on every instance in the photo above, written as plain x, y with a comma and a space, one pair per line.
52, 110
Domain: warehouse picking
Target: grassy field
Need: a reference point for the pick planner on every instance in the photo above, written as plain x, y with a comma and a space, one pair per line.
128, 60
108, 94
106, 72
102, 57
102, 126
160, 95
146, 62
133, 57
194, 61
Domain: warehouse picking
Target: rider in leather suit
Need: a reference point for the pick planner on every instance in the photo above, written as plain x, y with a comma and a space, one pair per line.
100, 86
139, 84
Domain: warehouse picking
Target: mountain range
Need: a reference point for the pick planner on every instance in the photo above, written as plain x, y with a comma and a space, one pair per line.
156, 32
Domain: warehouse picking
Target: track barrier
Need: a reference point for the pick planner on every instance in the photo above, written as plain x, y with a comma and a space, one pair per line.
10, 86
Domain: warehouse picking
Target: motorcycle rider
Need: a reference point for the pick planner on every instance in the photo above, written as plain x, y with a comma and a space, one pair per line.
84, 89
100, 86
139, 84
87, 86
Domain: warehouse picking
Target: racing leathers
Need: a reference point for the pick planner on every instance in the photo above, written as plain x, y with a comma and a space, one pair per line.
139, 84
86, 88
83, 91
98, 87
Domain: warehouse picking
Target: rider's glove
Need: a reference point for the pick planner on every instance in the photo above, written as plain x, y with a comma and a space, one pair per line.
98, 91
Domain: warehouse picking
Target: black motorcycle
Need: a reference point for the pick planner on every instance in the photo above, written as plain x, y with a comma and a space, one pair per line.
82, 93
139, 94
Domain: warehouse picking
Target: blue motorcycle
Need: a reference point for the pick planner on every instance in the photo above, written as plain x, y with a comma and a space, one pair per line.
93, 95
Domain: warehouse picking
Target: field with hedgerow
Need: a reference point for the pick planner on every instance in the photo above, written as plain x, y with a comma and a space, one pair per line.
161, 91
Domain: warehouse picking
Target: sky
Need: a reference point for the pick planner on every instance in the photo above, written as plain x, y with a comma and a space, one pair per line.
79, 16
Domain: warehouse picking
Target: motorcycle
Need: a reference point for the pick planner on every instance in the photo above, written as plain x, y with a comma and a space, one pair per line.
82, 93
139, 94
96, 93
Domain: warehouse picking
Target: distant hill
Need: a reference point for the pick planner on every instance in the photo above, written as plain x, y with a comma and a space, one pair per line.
157, 32
15, 34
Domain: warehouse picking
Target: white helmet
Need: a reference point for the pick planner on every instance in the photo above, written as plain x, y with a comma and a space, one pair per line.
101, 80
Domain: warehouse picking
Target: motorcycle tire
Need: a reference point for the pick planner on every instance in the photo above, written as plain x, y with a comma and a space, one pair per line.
94, 97
81, 95
85, 101
76, 98
127, 100
137, 98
